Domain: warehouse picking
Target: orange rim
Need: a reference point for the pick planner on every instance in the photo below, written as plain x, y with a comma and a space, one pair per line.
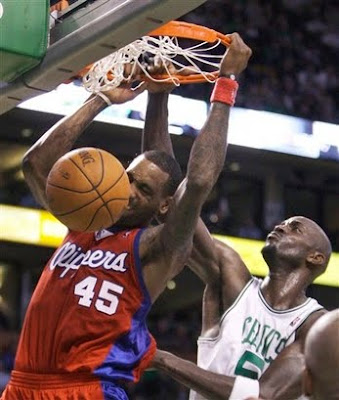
193, 78
188, 31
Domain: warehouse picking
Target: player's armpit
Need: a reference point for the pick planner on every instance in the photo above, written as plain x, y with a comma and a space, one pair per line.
234, 274
215, 261
210, 326
158, 267
204, 257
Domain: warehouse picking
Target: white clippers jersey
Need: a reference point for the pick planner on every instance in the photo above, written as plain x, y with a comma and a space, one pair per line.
251, 335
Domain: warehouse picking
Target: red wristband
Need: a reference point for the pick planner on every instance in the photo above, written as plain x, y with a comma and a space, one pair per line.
225, 91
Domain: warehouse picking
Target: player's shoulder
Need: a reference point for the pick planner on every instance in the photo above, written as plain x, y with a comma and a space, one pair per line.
308, 323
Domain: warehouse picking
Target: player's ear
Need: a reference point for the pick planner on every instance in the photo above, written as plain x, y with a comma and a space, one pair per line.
307, 383
165, 205
316, 258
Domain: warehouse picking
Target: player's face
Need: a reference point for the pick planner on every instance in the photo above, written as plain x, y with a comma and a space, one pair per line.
147, 183
291, 241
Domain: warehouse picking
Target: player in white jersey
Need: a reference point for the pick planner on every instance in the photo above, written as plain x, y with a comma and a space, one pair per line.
251, 335
254, 345
296, 251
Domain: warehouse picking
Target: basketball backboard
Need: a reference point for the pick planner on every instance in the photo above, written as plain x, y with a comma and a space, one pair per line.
91, 31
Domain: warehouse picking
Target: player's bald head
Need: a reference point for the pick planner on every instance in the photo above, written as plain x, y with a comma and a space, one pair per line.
322, 242
322, 357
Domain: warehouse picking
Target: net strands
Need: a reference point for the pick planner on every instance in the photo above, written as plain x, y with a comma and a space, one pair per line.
110, 71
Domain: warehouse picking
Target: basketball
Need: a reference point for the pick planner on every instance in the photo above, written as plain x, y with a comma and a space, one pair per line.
87, 189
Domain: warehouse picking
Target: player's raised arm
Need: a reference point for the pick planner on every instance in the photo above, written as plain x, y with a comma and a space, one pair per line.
207, 253
156, 137
58, 140
155, 134
164, 249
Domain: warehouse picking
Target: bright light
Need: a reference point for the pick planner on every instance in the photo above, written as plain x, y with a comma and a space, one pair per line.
327, 137
271, 131
66, 98
326, 133
19, 224
248, 128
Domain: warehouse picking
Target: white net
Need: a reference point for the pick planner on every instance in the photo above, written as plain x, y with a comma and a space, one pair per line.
110, 71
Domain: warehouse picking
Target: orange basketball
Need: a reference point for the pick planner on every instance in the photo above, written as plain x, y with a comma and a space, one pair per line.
87, 189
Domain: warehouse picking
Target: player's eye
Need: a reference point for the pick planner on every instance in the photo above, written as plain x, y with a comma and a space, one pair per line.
295, 226
145, 190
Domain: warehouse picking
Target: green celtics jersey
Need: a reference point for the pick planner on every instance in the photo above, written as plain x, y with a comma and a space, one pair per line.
251, 335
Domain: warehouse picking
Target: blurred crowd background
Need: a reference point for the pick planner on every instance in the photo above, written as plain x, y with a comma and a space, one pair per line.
295, 52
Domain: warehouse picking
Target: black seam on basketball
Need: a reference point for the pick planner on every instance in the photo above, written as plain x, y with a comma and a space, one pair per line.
121, 199
69, 190
78, 191
122, 174
102, 175
97, 210
77, 209
83, 173
95, 186
94, 216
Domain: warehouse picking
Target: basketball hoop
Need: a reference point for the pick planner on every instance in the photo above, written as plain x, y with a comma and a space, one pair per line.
193, 64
